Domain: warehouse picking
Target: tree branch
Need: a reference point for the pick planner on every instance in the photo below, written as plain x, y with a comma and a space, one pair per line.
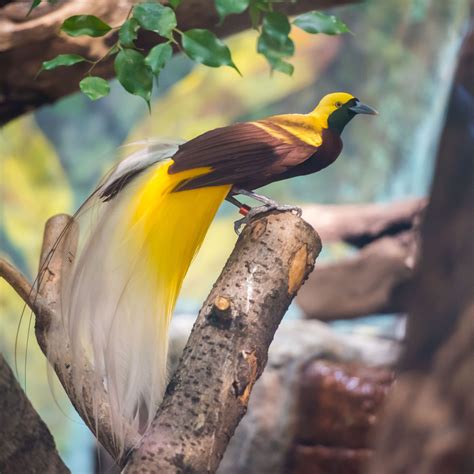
361, 224
27, 444
227, 349
29, 40
17, 281
374, 281
272, 258
23, 288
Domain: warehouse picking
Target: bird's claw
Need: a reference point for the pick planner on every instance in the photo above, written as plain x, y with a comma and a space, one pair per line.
256, 211
294, 209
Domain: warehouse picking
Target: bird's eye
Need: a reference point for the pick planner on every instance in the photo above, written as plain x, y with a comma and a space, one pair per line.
338, 104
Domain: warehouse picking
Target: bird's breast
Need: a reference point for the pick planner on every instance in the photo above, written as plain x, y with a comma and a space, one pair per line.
329, 150
325, 155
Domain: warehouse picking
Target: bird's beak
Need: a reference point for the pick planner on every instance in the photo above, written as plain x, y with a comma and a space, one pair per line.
360, 108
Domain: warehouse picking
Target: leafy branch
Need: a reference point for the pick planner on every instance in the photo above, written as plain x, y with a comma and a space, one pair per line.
136, 70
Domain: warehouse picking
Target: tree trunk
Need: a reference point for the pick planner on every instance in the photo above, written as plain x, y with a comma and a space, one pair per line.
27, 445
429, 421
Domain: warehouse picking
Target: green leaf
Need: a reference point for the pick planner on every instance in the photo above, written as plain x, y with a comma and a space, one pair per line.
256, 9
267, 46
282, 66
204, 47
155, 17
277, 26
274, 42
88, 25
62, 60
159, 56
175, 3
255, 14
128, 32
134, 74
262, 5
94, 87
228, 7
33, 5
317, 22
275, 51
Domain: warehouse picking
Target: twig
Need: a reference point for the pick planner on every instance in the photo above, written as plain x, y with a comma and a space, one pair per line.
16, 280
23, 288
21, 93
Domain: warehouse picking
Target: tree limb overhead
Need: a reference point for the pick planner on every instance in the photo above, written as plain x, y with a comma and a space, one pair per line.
27, 41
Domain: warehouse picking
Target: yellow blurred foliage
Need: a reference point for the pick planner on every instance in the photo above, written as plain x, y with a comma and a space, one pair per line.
33, 186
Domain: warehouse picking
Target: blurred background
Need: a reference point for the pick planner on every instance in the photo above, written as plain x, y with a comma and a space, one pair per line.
400, 60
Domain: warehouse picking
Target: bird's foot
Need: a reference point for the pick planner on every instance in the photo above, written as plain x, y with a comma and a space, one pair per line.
254, 212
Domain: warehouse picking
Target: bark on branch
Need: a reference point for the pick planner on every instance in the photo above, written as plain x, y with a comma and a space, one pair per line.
26, 41
227, 349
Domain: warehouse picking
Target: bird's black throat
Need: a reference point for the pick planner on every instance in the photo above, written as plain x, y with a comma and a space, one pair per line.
341, 116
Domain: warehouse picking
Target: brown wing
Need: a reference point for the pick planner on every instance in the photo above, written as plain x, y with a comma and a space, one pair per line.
240, 154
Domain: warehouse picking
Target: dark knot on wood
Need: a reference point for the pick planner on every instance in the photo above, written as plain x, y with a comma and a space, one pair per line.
220, 315
246, 375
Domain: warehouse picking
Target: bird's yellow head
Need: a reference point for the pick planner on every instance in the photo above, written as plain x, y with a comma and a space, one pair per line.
336, 110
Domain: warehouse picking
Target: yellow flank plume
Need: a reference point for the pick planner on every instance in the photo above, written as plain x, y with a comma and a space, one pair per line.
169, 228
